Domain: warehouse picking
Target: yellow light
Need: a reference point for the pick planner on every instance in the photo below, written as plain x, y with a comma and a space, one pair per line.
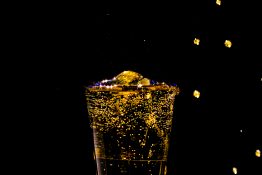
196, 93
228, 43
258, 154
94, 155
148, 95
196, 41
97, 152
165, 170
218, 2
234, 170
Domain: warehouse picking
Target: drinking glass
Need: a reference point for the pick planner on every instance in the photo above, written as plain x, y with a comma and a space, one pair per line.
131, 120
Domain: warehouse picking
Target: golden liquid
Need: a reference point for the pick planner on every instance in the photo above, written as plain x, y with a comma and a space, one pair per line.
131, 128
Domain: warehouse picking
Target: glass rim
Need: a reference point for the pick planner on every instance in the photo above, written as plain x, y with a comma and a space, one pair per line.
132, 87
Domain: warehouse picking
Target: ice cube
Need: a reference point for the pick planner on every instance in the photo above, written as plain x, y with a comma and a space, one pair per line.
128, 78
144, 81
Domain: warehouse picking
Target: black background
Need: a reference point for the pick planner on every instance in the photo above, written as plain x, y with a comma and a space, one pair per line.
72, 45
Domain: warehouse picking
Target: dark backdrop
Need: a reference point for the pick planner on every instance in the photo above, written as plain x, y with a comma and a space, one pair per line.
76, 44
